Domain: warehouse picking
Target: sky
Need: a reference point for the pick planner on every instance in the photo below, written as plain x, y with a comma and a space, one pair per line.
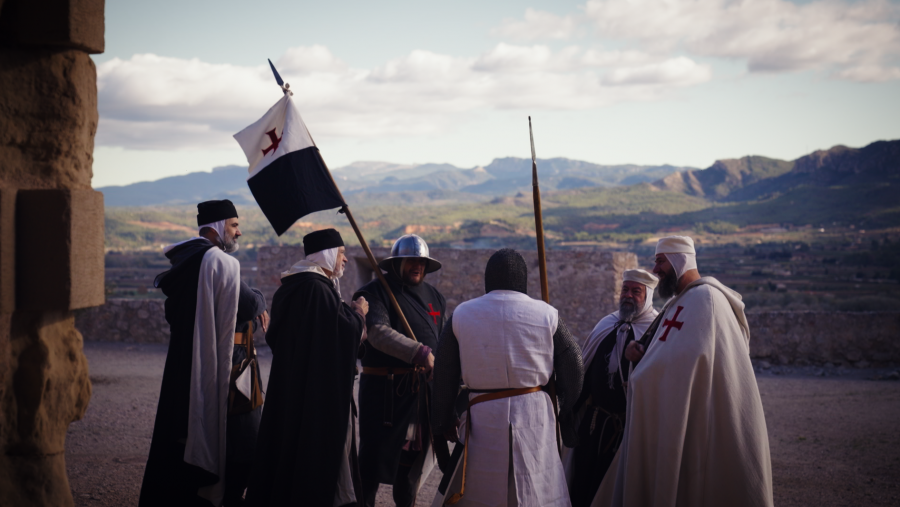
682, 82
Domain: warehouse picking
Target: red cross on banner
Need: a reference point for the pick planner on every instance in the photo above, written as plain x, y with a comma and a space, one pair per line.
433, 313
275, 142
672, 323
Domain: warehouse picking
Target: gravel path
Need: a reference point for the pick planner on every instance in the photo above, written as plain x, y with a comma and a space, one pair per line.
835, 437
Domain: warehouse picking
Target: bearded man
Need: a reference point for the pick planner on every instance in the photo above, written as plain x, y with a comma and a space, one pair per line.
198, 455
395, 447
505, 346
306, 454
695, 433
601, 407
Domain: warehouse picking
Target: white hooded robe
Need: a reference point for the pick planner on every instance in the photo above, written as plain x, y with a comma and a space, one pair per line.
695, 433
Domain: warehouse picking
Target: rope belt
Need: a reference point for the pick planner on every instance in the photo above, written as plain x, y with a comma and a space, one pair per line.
489, 396
616, 421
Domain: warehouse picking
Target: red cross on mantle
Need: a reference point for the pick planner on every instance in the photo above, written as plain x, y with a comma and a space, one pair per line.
672, 323
275, 142
433, 313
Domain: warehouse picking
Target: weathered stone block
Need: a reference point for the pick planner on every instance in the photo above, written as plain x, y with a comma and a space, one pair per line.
48, 118
59, 254
50, 388
7, 250
75, 24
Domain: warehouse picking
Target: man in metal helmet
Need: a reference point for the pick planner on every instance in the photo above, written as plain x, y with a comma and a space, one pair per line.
395, 447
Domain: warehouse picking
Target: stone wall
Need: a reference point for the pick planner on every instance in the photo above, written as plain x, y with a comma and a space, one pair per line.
843, 338
583, 284
51, 221
125, 320
858, 338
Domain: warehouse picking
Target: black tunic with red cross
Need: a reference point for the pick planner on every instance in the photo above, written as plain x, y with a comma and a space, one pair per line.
384, 421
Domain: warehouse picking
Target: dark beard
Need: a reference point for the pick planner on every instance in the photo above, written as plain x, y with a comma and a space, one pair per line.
668, 285
626, 310
408, 281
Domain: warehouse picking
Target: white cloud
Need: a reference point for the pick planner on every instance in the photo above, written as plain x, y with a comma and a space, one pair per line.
153, 102
680, 71
852, 40
537, 25
858, 41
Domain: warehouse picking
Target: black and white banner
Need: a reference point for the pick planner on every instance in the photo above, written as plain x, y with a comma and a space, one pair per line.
288, 178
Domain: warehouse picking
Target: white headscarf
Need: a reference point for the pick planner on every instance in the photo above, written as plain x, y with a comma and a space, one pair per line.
679, 250
649, 281
640, 321
326, 259
318, 262
219, 227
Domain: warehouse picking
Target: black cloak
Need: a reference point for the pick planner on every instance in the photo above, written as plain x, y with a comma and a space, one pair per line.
168, 479
314, 338
380, 445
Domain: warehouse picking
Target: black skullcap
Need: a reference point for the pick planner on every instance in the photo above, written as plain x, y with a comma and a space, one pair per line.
506, 270
213, 211
321, 240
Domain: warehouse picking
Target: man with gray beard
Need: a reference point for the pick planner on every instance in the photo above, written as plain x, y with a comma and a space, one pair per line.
600, 410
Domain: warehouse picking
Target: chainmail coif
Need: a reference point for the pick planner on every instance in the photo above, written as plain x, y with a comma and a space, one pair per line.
506, 270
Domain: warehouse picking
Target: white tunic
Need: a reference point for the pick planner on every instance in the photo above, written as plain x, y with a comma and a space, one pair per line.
695, 432
506, 341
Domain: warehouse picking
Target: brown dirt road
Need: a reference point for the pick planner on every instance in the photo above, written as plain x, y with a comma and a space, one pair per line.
835, 440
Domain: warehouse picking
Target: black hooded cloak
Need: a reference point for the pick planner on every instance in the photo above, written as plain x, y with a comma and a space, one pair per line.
314, 337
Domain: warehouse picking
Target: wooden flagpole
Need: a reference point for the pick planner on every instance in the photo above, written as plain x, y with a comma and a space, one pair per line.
542, 265
285, 87
362, 241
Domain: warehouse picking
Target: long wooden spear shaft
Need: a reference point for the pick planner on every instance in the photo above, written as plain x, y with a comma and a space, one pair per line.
542, 265
538, 220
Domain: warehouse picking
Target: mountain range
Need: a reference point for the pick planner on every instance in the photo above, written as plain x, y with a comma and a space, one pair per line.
449, 205
365, 182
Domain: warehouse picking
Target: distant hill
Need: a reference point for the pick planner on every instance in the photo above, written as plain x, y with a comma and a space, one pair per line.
227, 182
363, 183
842, 186
582, 202
725, 176
756, 177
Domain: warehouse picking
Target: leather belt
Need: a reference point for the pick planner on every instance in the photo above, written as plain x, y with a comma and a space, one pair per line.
388, 372
491, 395
243, 338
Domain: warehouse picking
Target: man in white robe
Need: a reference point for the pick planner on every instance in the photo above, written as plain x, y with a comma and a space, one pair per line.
600, 410
505, 346
696, 433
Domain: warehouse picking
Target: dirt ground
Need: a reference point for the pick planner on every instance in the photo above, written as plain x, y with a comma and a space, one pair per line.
835, 438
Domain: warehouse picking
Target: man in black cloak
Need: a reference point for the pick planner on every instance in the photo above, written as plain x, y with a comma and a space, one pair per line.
306, 452
203, 288
600, 409
395, 444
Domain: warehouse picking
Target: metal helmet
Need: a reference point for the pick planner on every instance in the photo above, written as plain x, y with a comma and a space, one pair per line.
410, 247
